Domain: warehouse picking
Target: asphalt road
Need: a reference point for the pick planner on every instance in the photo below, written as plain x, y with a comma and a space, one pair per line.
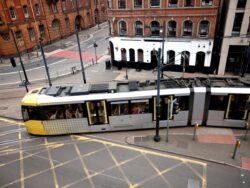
94, 161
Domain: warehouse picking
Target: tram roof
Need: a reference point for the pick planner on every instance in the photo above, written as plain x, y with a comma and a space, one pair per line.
145, 85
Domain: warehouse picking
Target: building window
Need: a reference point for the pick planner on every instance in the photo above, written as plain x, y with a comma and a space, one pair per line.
172, 28
1, 21
124, 54
67, 24
109, 4
87, 3
96, 2
26, 11
172, 3
137, 3
79, 3
241, 4
64, 5
55, 24
53, 8
19, 34
132, 55
155, 28
72, 4
140, 55
122, 4
123, 28
204, 29
237, 24
154, 3
138, 28
187, 28
207, 2
185, 56
170, 57
31, 34
189, 3
12, 13
37, 9
42, 31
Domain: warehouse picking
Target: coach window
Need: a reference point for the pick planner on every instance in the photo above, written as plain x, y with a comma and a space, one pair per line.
74, 111
140, 106
30, 113
183, 102
218, 103
52, 112
236, 107
119, 108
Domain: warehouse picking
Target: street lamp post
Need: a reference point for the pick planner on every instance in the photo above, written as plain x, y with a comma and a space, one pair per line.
80, 54
21, 61
126, 76
162, 31
44, 60
157, 137
95, 46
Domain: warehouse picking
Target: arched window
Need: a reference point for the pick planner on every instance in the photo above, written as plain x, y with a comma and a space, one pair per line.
140, 55
132, 54
67, 23
138, 28
200, 59
12, 13
185, 56
187, 28
172, 28
204, 29
124, 54
123, 28
37, 9
170, 56
155, 28
55, 24
25, 11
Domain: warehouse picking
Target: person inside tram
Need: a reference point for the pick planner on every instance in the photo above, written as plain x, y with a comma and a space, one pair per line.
78, 113
53, 115
69, 113
136, 109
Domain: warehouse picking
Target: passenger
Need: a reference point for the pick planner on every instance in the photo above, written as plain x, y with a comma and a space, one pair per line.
60, 114
116, 111
53, 116
78, 113
136, 109
68, 113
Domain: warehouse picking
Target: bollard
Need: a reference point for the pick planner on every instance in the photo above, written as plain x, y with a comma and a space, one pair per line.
195, 128
247, 128
237, 145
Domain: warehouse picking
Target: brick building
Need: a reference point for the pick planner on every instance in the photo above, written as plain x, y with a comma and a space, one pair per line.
50, 19
183, 29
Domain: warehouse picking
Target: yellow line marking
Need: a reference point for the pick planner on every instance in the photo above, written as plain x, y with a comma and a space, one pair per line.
118, 166
159, 173
11, 121
52, 165
21, 160
204, 178
142, 150
83, 164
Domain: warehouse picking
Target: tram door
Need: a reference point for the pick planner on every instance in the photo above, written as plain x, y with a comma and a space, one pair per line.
97, 113
164, 102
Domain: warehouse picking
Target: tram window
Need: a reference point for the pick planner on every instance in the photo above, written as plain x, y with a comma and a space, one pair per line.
119, 108
74, 111
52, 112
183, 102
31, 113
25, 113
237, 107
218, 103
140, 106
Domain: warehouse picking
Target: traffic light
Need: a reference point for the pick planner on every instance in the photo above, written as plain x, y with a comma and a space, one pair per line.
13, 62
95, 45
175, 106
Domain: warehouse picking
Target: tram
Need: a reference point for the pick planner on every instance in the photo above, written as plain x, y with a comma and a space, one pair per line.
128, 105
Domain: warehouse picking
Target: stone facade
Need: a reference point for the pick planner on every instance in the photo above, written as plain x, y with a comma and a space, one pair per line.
29, 19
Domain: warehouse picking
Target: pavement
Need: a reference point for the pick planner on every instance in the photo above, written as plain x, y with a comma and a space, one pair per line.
210, 144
